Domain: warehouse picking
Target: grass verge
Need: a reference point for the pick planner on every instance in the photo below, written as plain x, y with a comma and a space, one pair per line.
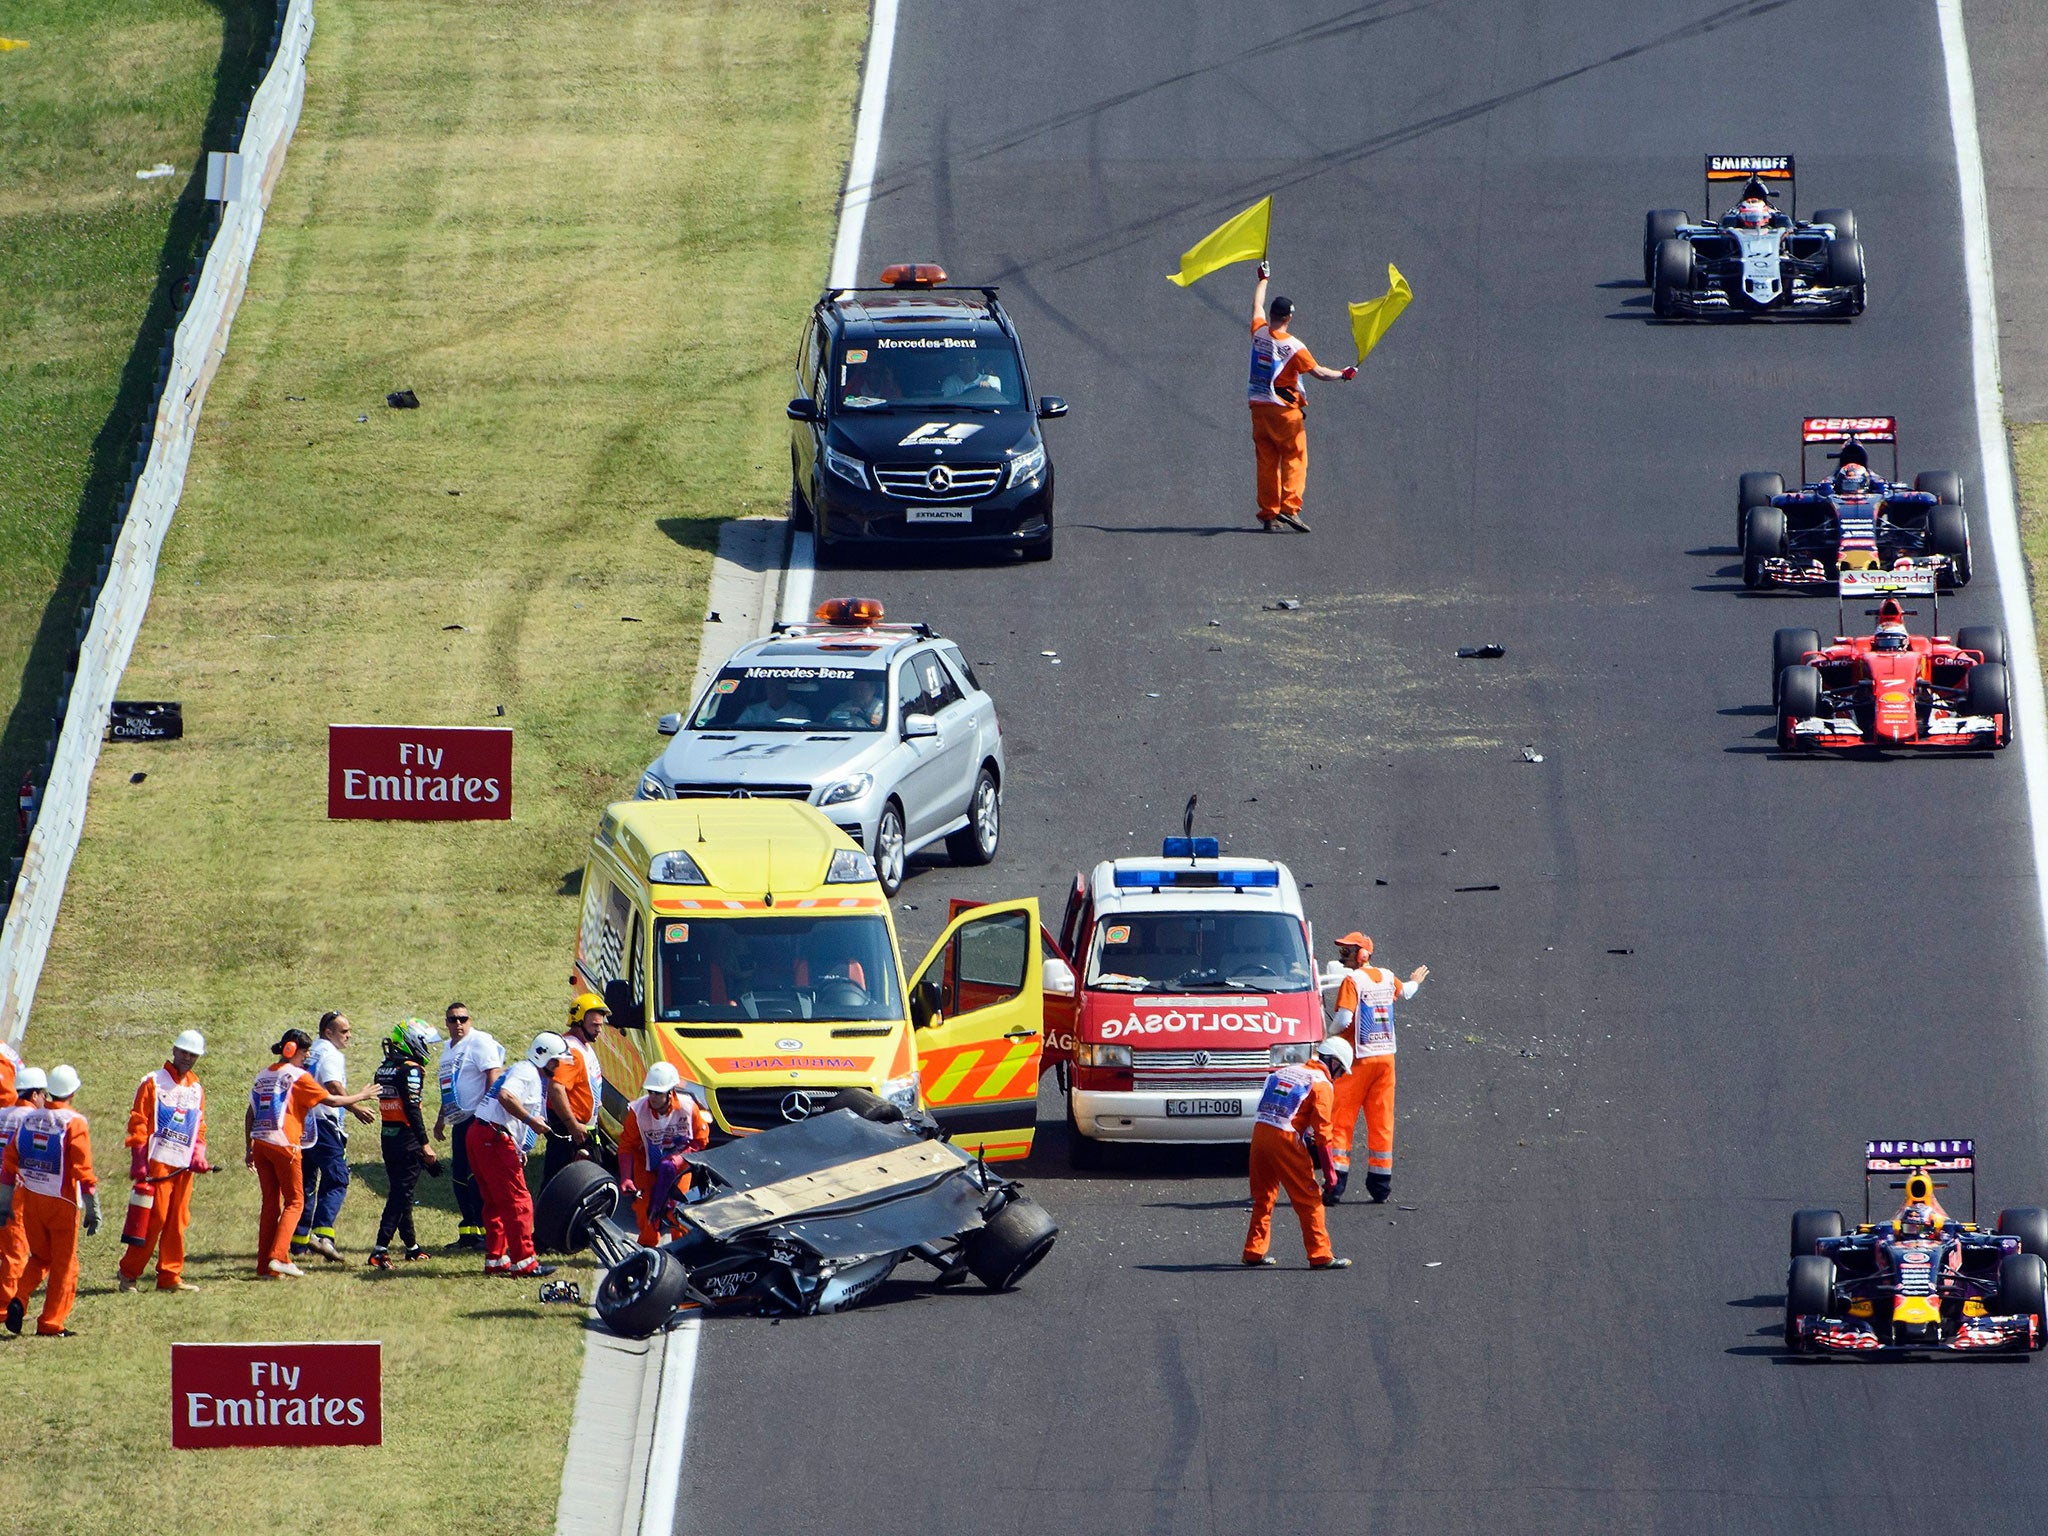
584, 232
90, 259
2030, 467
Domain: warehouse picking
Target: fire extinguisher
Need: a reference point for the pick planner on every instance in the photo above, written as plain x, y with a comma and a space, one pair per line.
135, 1230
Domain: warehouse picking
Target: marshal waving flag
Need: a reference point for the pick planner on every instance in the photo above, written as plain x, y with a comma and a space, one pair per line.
1242, 238
1372, 319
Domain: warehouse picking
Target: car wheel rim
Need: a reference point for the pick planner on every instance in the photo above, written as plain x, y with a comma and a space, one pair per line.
988, 816
889, 850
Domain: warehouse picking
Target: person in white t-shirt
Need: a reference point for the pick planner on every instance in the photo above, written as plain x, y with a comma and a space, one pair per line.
470, 1064
501, 1133
323, 1155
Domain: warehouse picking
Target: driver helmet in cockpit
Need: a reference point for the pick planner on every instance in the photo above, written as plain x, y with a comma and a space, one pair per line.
1753, 213
1892, 634
1919, 1221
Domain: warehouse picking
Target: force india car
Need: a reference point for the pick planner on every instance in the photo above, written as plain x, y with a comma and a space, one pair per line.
1851, 520
1892, 689
1914, 1284
1754, 259
803, 1219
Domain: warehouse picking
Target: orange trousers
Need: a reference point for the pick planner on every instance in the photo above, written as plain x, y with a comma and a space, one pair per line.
50, 1228
13, 1254
1369, 1086
169, 1212
1280, 434
284, 1196
1279, 1159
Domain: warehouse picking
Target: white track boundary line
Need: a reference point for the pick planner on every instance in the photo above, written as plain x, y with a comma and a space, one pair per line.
1997, 494
853, 222
679, 1362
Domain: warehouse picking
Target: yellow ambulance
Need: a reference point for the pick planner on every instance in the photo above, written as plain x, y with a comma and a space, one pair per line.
748, 942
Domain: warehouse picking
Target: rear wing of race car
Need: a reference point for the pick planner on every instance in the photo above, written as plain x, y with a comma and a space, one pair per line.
1912, 1159
1912, 581
1837, 432
1739, 169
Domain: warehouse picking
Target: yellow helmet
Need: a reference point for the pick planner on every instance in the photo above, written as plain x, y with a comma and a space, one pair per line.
586, 1002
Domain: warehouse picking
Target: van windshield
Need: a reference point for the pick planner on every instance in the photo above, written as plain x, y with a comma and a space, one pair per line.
1199, 952
796, 697
731, 969
931, 373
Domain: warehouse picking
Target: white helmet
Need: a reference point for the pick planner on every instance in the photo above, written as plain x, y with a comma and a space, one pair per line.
191, 1040
547, 1048
1337, 1049
663, 1077
31, 1080
63, 1081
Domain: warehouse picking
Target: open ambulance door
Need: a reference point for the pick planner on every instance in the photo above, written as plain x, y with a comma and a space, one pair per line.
977, 1004
1061, 980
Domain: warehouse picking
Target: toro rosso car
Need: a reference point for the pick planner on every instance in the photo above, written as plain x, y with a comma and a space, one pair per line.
1922, 1281
1852, 520
801, 1219
1755, 258
1892, 688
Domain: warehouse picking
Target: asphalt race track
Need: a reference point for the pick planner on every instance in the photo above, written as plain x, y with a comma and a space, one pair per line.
1707, 974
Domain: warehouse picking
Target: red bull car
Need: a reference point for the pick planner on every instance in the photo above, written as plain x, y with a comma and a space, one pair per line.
1922, 1281
1891, 689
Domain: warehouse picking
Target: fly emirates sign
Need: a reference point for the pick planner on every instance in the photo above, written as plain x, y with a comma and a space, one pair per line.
276, 1394
419, 773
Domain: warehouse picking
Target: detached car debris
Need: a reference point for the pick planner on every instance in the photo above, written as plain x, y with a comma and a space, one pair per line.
802, 1219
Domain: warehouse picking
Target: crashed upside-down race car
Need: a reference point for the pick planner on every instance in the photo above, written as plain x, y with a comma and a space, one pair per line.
1921, 1281
801, 1219
1891, 689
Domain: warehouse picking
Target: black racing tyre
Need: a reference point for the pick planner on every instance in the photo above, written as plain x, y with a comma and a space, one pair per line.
866, 1103
2028, 1223
1659, 225
799, 504
889, 855
1798, 699
1757, 488
1943, 485
1809, 1292
1670, 277
1790, 648
2023, 1287
569, 1203
1010, 1245
1084, 1153
1844, 220
638, 1297
1989, 641
976, 842
1948, 533
1988, 691
1764, 539
1809, 1227
1845, 263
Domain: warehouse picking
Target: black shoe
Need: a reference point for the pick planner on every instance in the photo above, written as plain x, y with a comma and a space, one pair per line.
415, 1252
470, 1240
15, 1312
1379, 1186
378, 1259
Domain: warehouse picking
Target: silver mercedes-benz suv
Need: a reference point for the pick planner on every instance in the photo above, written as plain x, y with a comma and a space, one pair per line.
883, 727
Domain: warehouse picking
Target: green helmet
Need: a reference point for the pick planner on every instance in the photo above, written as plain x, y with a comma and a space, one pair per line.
413, 1037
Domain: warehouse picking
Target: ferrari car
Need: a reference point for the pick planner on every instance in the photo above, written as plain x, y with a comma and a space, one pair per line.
1852, 519
802, 1219
1754, 258
1892, 688
1921, 1281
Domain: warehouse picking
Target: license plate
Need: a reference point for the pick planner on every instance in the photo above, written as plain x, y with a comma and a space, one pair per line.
1220, 1109
938, 515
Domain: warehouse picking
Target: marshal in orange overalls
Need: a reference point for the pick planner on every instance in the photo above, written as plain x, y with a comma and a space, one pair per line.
1295, 1105
275, 1125
1364, 1015
166, 1147
1279, 429
49, 1163
647, 1139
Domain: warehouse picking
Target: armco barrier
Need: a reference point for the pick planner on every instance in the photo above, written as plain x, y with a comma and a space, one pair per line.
129, 570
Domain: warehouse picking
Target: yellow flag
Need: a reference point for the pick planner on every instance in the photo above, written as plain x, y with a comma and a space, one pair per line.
1241, 239
1372, 319
7, 43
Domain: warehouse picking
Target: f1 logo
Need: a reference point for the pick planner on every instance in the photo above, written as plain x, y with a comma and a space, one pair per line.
940, 434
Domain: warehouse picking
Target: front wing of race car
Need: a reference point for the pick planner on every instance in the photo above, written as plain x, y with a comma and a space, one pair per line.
1708, 300
1944, 733
1973, 1336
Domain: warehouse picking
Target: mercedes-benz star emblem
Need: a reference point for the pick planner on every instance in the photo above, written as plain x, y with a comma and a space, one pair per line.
940, 479
797, 1106
1201, 1058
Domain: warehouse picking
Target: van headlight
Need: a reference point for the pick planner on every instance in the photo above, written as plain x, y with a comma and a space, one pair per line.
651, 788
902, 1092
1088, 1055
848, 789
1285, 1055
846, 467
1028, 465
